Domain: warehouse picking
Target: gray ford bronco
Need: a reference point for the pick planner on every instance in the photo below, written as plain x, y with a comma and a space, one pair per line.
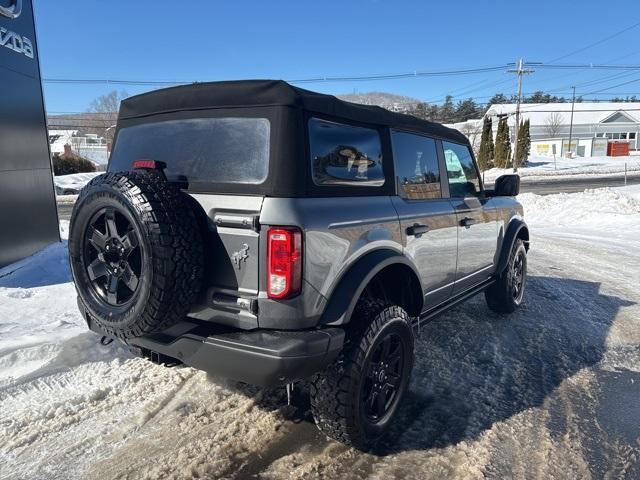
271, 234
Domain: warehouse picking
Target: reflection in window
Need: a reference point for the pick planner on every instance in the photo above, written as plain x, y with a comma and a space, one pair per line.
462, 173
345, 155
416, 162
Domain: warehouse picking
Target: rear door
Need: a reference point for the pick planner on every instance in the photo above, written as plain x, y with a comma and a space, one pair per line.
476, 218
427, 219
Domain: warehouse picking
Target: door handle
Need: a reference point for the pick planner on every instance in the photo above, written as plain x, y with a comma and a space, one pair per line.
468, 221
417, 229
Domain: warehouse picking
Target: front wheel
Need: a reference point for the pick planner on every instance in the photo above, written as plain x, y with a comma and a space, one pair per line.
355, 399
506, 294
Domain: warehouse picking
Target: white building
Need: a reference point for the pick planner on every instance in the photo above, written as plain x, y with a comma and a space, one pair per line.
550, 124
90, 146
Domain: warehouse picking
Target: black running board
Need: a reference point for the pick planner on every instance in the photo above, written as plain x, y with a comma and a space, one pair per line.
449, 304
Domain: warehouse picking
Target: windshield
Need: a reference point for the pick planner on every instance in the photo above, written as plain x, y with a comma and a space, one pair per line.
215, 150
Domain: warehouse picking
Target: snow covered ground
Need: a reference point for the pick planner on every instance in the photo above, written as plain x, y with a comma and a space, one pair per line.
550, 392
71, 184
546, 168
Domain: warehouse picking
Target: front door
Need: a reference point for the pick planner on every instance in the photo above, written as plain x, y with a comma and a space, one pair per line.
427, 219
476, 218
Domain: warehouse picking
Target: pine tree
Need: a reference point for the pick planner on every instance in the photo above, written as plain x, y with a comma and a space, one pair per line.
485, 154
502, 155
524, 143
527, 135
521, 144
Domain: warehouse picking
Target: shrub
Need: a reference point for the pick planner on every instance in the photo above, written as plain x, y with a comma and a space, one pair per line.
66, 164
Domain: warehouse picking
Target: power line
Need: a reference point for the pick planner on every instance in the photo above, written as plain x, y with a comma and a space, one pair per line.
434, 73
614, 86
591, 45
346, 78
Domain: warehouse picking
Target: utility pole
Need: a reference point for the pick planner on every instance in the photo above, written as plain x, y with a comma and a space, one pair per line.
520, 71
573, 104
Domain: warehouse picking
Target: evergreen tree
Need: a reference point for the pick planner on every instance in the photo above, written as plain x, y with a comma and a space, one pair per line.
466, 109
498, 98
520, 147
485, 154
447, 111
524, 143
502, 155
527, 144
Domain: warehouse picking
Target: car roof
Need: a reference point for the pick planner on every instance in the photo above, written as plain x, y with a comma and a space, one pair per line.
272, 93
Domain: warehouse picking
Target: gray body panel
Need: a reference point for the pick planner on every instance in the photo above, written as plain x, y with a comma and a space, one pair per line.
477, 241
435, 252
450, 258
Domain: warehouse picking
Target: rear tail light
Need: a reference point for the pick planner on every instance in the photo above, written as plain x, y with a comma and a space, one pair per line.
146, 164
284, 262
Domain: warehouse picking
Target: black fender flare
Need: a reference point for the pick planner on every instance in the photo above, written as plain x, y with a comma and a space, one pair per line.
514, 229
347, 290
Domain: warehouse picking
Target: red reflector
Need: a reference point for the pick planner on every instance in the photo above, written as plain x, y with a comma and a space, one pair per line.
148, 164
284, 262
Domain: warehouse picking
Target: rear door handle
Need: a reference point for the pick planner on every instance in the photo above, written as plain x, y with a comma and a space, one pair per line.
417, 229
468, 221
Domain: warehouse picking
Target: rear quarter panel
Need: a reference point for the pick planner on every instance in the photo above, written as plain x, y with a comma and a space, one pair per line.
337, 232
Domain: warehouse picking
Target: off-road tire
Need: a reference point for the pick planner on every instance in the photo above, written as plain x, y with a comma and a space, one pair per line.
171, 248
500, 296
336, 392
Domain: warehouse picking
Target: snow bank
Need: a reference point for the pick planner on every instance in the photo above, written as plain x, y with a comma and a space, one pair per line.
597, 207
545, 167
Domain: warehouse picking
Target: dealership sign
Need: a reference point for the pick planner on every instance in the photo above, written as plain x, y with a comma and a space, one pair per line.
16, 42
12, 40
13, 11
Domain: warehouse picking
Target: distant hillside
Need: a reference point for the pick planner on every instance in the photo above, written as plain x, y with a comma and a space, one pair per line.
390, 101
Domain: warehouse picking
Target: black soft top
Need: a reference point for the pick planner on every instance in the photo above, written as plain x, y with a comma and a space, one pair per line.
267, 93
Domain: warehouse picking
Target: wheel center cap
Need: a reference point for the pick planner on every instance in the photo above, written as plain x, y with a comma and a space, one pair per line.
114, 251
381, 375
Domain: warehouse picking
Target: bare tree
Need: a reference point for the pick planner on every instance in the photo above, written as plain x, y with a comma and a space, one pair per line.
472, 130
104, 113
553, 124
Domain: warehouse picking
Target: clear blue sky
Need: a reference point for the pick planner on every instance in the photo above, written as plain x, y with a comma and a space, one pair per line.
208, 40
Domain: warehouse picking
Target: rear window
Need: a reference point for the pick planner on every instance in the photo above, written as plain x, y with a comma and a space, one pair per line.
215, 150
344, 154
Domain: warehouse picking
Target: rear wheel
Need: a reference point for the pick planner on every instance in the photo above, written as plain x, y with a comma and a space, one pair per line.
506, 294
356, 399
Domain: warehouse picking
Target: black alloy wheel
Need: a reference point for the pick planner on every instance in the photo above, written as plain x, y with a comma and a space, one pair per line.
518, 275
383, 375
113, 256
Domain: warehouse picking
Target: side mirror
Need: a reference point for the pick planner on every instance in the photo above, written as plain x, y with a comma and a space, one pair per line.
507, 186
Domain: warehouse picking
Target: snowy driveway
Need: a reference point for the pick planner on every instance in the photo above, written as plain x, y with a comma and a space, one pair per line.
552, 391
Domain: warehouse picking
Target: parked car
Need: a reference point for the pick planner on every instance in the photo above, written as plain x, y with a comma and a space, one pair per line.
271, 234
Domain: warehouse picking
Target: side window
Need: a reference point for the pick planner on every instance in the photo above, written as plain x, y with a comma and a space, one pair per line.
344, 154
416, 161
461, 171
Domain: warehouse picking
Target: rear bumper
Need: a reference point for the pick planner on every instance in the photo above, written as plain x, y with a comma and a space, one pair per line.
259, 357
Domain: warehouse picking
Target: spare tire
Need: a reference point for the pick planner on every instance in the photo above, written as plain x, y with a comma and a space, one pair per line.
136, 253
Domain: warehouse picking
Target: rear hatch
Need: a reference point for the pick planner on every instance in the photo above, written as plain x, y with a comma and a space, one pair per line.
211, 157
